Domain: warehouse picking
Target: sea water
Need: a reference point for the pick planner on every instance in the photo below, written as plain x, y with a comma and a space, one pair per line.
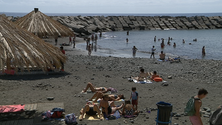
114, 44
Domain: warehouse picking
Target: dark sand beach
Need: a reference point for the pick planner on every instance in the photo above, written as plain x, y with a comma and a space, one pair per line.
187, 78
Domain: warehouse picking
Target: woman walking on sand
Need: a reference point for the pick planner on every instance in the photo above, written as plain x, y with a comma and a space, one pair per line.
193, 107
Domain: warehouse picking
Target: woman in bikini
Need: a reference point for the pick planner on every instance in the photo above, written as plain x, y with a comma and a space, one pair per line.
95, 89
99, 95
108, 107
91, 110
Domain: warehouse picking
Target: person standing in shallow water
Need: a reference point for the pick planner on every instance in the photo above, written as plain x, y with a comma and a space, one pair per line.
134, 51
203, 51
89, 49
153, 50
127, 40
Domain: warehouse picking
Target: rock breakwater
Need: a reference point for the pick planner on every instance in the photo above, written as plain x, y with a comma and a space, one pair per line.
87, 25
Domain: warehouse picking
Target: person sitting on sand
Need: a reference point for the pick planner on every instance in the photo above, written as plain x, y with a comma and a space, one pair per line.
162, 56
154, 75
108, 107
101, 89
142, 75
99, 95
129, 110
91, 110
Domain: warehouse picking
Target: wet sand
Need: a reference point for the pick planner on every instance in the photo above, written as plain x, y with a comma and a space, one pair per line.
187, 77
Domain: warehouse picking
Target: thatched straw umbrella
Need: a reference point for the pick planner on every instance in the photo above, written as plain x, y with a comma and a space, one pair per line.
42, 25
21, 49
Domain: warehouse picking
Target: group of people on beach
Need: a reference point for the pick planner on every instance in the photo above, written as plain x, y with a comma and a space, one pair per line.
162, 44
93, 39
106, 107
103, 104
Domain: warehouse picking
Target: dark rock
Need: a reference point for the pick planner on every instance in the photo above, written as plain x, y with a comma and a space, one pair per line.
50, 98
206, 116
207, 109
169, 77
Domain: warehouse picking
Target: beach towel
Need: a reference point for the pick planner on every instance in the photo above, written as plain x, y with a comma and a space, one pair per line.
129, 116
11, 108
216, 117
98, 101
142, 82
88, 91
113, 116
162, 60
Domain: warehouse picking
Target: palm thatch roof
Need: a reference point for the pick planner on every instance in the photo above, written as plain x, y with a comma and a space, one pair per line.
20, 48
42, 25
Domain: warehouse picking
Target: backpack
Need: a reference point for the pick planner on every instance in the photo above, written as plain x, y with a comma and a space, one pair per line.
70, 119
190, 107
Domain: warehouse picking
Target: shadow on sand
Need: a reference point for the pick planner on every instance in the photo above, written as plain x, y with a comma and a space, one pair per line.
34, 76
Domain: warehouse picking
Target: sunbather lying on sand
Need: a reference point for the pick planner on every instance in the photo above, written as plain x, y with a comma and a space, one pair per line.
99, 95
108, 107
174, 59
90, 110
95, 89
129, 110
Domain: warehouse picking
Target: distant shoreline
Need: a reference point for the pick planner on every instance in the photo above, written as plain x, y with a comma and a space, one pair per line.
17, 14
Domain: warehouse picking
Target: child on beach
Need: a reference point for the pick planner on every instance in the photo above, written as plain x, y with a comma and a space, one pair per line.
134, 97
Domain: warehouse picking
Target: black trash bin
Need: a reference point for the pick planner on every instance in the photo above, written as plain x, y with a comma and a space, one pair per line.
164, 113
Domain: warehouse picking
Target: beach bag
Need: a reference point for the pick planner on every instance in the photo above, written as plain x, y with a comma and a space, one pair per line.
57, 113
46, 115
70, 119
158, 79
190, 107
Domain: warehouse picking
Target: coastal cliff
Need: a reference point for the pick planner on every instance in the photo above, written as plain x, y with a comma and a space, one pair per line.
87, 25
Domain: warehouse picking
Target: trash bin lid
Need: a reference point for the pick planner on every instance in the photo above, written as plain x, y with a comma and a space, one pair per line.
164, 104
